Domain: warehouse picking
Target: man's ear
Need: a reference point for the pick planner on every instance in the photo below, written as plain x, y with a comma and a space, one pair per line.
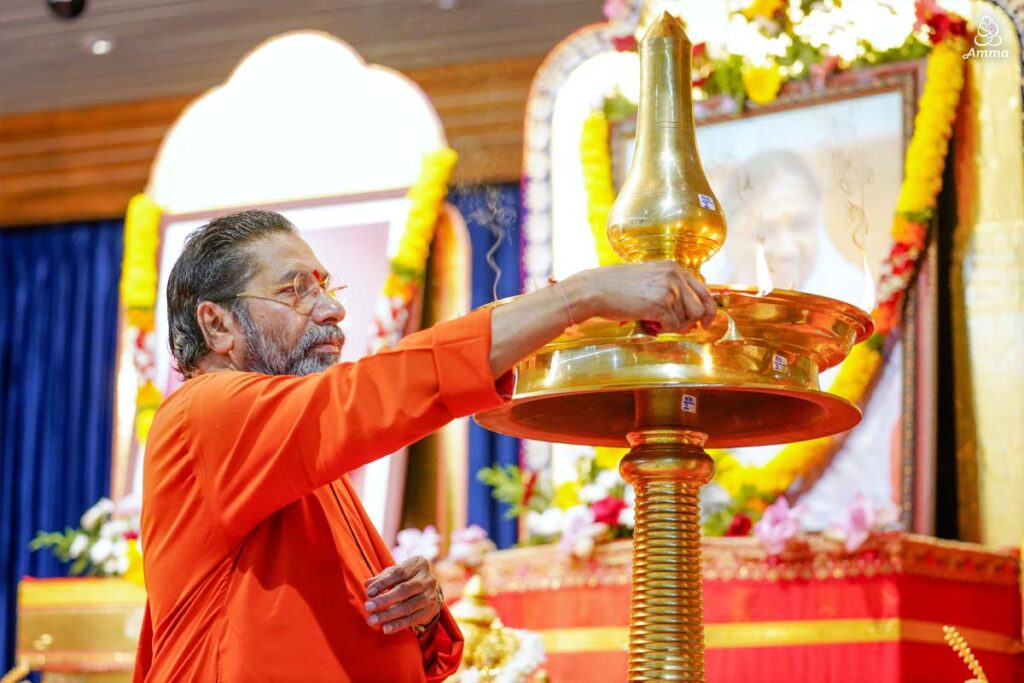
218, 325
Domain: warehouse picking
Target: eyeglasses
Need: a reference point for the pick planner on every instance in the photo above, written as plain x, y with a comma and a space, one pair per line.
305, 289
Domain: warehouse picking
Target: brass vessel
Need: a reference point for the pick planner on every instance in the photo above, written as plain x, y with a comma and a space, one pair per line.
666, 209
750, 379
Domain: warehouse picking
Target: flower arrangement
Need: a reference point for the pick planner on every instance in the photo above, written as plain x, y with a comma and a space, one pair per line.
940, 35
780, 528
106, 543
578, 514
598, 506
527, 656
467, 548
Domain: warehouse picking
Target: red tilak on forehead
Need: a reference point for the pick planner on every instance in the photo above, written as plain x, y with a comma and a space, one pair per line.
316, 274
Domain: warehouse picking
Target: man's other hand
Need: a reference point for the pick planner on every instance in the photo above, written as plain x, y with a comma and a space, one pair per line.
402, 596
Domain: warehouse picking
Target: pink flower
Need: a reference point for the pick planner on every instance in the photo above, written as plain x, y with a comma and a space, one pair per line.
606, 510
862, 517
469, 546
616, 9
778, 526
820, 72
580, 532
413, 542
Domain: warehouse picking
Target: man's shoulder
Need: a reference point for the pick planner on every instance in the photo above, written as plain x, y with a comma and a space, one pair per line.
223, 382
205, 391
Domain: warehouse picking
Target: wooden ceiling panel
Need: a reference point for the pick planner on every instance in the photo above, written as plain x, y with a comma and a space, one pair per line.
165, 48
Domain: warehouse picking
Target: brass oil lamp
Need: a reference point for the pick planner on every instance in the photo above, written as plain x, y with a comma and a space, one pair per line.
750, 379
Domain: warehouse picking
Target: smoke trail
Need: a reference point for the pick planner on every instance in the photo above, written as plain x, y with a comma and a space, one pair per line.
492, 215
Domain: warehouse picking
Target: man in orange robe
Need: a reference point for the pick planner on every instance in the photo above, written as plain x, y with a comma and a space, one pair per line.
260, 563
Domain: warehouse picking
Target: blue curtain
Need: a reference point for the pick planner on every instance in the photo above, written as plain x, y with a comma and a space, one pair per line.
58, 340
492, 215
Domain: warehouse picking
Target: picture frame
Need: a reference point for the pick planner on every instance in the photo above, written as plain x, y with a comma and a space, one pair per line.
843, 141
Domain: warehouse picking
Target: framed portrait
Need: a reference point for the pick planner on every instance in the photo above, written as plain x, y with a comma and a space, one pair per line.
813, 180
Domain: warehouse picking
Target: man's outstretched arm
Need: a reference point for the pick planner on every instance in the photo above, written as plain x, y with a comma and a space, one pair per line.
661, 291
263, 441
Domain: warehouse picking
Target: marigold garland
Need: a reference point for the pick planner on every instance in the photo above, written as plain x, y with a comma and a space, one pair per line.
138, 266
597, 180
138, 296
924, 166
409, 263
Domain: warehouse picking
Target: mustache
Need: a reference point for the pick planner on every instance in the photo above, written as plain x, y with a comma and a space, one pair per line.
321, 334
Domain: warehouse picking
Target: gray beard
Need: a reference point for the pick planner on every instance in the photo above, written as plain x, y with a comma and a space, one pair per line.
267, 354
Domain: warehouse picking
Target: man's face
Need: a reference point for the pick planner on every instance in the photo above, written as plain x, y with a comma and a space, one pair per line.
279, 340
785, 215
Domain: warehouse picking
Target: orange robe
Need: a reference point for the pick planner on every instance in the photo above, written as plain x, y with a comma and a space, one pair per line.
255, 545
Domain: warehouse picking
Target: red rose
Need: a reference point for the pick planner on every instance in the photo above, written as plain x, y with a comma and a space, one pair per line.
606, 510
624, 43
740, 525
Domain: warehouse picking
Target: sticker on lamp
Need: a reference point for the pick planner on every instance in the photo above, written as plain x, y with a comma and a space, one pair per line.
779, 363
706, 202
689, 404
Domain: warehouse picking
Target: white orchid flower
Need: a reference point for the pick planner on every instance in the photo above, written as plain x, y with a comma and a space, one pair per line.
78, 546
101, 550
114, 529
92, 517
547, 523
413, 542
591, 493
608, 479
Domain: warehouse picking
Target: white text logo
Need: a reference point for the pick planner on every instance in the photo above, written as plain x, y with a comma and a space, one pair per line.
986, 40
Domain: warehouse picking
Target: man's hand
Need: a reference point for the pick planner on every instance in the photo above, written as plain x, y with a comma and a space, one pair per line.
659, 291
402, 595
662, 292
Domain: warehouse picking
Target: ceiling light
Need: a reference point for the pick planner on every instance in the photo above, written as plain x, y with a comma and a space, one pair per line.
101, 46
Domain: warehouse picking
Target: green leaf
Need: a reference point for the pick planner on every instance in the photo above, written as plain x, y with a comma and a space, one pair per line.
618, 107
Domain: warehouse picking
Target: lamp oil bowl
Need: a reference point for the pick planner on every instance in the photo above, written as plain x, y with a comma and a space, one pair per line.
750, 379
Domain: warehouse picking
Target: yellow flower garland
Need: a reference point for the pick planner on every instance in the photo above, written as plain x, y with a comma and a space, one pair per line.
597, 180
138, 266
924, 165
138, 296
409, 263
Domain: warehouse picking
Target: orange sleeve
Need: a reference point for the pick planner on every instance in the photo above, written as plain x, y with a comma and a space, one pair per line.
442, 648
263, 441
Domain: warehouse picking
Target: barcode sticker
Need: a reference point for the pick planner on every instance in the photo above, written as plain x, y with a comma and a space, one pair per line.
779, 363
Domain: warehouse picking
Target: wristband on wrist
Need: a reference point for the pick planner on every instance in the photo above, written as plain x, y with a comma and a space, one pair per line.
565, 300
420, 630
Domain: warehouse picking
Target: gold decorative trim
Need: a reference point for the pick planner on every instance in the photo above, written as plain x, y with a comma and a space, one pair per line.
77, 593
785, 634
540, 568
81, 662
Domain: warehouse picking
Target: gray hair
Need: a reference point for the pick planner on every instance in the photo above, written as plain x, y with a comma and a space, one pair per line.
215, 265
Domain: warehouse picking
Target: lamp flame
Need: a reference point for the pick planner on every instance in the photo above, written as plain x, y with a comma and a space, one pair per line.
764, 273
867, 296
